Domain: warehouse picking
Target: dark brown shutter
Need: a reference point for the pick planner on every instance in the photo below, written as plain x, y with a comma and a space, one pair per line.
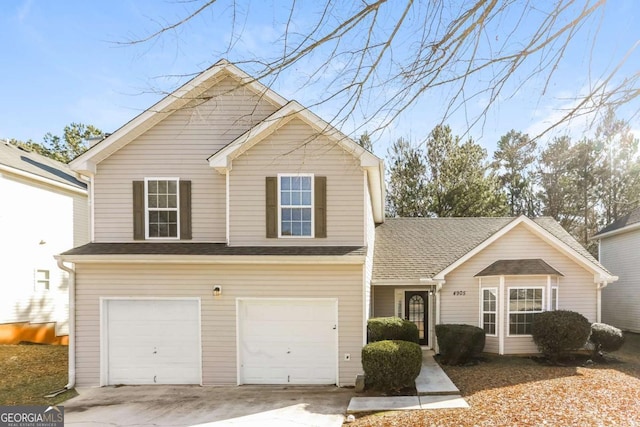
138, 210
271, 194
185, 210
320, 206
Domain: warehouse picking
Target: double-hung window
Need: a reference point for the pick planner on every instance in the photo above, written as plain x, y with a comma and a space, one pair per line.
524, 304
295, 210
162, 210
489, 310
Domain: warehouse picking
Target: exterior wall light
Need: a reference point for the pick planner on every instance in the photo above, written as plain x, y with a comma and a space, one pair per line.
217, 290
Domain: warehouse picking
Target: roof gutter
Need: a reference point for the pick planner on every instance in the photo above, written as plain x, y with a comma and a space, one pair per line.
43, 180
72, 322
625, 229
214, 259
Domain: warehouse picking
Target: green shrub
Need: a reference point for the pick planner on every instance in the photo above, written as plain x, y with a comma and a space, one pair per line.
558, 332
391, 365
392, 328
458, 344
605, 338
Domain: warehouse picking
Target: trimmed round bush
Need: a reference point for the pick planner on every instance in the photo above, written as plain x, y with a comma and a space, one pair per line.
392, 328
391, 365
605, 338
559, 332
458, 344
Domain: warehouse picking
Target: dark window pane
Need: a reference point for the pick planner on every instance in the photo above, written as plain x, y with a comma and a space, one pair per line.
295, 183
285, 183
306, 214
295, 199
285, 198
172, 201
153, 186
306, 229
306, 198
306, 183
173, 230
296, 214
153, 230
286, 229
152, 201
172, 187
296, 229
286, 214
163, 230
162, 187
172, 216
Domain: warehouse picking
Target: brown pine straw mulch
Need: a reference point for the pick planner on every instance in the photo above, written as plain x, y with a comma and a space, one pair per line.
519, 391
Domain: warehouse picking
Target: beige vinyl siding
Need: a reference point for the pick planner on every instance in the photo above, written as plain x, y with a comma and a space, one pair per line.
383, 299
218, 314
178, 146
296, 148
577, 291
621, 299
80, 220
370, 235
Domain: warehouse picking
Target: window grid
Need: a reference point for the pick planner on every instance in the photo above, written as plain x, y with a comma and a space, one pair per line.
524, 303
162, 208
296, 205
489, 310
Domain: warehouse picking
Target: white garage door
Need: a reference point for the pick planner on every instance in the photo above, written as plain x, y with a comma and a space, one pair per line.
288, 341
153, 341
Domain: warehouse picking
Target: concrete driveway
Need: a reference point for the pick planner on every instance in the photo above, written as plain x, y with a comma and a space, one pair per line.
208, 406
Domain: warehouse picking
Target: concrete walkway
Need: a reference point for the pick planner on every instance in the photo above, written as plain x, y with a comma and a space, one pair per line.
435, 391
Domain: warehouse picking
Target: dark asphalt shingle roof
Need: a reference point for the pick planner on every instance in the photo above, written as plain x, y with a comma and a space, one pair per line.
632, 217
518, 267
414, 248
39, 165
159, 248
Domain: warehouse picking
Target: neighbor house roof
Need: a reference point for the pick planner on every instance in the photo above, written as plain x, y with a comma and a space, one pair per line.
209, 252
519, 267
626, 223
421, 248
27, 163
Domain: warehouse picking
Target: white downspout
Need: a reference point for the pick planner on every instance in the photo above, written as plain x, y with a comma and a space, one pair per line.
72, 322
599, 287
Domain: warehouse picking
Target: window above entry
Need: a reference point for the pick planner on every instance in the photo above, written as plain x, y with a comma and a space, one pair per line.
162, 209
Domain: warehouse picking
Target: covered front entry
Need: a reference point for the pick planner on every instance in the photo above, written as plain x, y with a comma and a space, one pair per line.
413, 303
288, 341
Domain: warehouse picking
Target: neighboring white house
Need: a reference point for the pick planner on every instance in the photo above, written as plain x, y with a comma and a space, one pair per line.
619, 248
44, 210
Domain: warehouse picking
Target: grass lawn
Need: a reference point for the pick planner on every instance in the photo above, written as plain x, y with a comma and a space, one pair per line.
28, 372
517, 391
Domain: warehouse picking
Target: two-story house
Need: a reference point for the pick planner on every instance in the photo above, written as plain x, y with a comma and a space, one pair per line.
237, 238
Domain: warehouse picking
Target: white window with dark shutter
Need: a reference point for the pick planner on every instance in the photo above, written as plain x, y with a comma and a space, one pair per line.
162, 209
296, 206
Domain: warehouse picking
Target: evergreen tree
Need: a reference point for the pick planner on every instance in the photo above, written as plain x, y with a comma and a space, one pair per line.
406, 182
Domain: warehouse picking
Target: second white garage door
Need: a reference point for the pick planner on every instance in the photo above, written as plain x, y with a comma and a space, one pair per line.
288, 341
152, 341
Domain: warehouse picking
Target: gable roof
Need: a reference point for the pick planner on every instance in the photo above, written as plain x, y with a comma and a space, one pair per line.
412, 249
19, 161
519, 267
628, 222
222, 159
86, 162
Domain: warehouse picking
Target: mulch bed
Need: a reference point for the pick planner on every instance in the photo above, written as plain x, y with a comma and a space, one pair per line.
520, 391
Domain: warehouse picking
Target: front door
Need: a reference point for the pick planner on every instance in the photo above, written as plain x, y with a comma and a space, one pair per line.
415, 310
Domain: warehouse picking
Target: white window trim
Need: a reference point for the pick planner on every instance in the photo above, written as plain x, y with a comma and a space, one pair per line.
36, 280
146, 207
509, 312
313, 193
557, 289
482, 311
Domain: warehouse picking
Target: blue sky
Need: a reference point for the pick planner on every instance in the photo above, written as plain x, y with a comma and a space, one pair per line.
61, 63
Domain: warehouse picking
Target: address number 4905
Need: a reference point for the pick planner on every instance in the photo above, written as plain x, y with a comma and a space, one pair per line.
459, 293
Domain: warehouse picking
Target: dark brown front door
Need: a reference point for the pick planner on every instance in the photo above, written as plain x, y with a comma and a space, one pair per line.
415, 310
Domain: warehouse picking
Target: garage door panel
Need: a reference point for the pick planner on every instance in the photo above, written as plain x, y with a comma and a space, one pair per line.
153, 342
288, 341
